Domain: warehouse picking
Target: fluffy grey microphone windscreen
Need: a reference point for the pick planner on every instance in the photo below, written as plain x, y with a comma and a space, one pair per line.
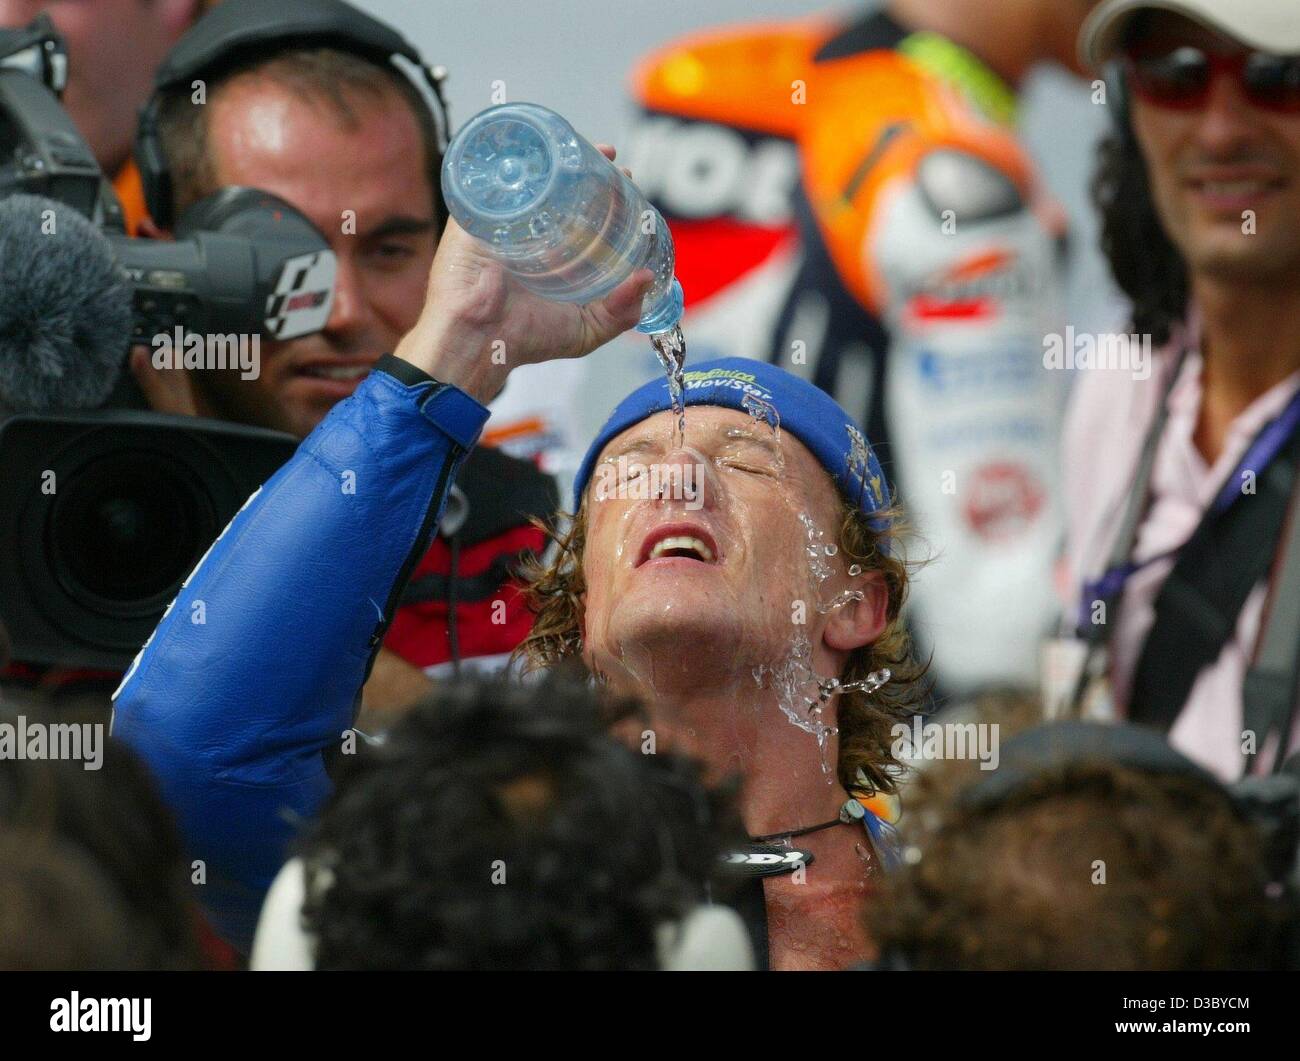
65, 311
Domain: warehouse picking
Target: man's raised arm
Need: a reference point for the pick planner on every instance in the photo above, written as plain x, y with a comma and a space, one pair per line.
254, 671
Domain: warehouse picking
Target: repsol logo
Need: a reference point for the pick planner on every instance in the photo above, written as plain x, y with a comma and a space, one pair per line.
702, 169
994, 276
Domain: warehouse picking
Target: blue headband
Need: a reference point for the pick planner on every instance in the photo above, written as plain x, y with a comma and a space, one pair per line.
807, 412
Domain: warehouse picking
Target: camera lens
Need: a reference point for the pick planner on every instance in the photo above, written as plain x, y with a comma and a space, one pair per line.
103, 517
127, 529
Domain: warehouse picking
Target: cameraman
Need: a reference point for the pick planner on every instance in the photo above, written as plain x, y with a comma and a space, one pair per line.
114, 46
348, 139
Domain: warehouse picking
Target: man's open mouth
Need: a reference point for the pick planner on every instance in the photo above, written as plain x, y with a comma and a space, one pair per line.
679, 541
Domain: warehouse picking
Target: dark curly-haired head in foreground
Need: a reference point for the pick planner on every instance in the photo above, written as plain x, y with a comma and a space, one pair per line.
500, 826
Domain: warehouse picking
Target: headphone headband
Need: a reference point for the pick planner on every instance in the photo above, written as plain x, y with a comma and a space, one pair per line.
1058, 745
235, 26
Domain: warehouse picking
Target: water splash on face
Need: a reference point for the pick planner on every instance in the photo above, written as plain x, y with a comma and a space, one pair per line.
816, 550
860, 467
819, 551
763, 412
792, 679
670, 348
804, 697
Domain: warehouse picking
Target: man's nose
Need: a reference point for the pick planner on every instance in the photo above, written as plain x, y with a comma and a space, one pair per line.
685, 475
1228, 120
350, 309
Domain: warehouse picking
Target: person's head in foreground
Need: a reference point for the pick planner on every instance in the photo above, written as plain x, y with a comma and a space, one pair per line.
500, 826
1199, 187
61, 912
94, 874
746, 585
1090, 847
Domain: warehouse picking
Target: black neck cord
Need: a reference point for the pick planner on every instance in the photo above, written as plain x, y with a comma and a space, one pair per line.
852, 811
795, 832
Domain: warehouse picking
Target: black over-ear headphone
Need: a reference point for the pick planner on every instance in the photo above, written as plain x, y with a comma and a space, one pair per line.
236, 26
1056, 745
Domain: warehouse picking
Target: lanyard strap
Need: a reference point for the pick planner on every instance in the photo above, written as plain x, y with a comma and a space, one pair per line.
1198, 604
1259, 457
1120, 568
1273, 681
1265, 448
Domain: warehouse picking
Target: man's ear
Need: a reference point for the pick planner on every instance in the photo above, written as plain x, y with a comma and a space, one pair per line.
859, 623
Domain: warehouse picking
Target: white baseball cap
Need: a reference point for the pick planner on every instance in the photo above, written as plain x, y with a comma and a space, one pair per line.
1266, 25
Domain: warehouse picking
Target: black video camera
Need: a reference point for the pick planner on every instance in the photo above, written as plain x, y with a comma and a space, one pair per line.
104, 513
244, 260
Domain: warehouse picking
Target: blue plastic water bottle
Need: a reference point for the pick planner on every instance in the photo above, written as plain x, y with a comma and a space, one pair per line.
556, 212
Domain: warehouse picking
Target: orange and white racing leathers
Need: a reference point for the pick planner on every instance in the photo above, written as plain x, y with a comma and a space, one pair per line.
851, 203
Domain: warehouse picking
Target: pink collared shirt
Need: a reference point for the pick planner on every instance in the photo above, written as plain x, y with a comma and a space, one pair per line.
1109, 415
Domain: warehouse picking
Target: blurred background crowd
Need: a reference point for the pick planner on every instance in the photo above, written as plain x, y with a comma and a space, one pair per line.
944, 214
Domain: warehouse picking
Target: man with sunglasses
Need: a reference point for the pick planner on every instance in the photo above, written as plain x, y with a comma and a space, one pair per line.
1181, 488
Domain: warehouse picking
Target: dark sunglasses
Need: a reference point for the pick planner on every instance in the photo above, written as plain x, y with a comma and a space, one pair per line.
1181, 79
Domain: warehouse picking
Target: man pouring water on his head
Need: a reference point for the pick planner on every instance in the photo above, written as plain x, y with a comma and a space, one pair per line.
755, 615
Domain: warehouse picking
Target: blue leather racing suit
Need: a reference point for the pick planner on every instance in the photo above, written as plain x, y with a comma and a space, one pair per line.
255, 671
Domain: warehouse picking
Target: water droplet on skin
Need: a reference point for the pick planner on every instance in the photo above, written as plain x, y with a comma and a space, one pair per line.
860, 463
789, 679
762, 412
849, 596
870, 683
855, 570
831, 549
821, 570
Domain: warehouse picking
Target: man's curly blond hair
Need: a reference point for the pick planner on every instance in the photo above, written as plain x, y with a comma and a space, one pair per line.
555, 587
